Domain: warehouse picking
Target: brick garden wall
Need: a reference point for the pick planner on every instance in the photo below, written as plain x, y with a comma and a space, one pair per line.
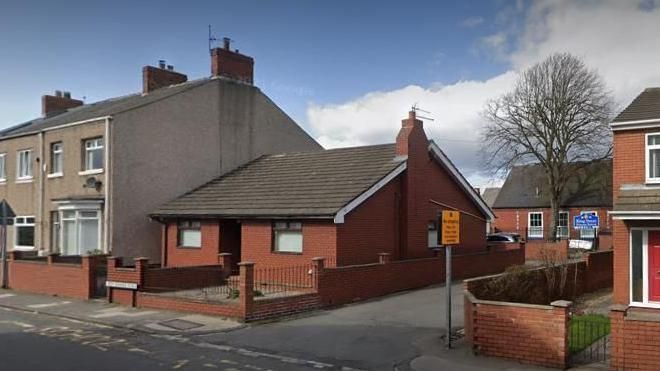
634, 339
538, 249
54, 277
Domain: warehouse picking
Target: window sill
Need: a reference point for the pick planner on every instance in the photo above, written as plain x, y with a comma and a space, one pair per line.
652, 305
189, 247
24, 180
24, 248
287, 252
91, 172
3, 181
655, 181
55, 175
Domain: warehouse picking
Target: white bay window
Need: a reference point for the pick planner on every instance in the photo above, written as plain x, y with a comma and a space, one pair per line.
79, 230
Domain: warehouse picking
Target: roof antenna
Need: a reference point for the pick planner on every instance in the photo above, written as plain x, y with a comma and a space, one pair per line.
417, 109
212, 39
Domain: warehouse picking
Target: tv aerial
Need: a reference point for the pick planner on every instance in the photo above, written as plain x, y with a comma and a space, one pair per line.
416, 109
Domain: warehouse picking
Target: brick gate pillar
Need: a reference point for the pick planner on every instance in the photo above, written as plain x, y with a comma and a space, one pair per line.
246, 296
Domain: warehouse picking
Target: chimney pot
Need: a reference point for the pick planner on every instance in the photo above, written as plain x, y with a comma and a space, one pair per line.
67, 95
58, 93
161, 64
411, 136
226, 43
232, 64
170, 67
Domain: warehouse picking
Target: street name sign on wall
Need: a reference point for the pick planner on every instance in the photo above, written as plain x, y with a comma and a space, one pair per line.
121, 285
586, 221
451, 228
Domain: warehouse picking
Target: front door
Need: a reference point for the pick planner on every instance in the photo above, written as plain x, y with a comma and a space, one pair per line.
654, 265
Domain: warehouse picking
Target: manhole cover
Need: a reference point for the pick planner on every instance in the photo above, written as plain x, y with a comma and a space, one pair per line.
181, 324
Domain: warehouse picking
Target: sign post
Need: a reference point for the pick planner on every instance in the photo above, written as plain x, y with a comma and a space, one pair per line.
6, 218
449, 235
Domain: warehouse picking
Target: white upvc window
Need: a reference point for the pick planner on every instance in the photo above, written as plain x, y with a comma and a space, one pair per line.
3, 167
24, 165
93, 154
562, 225
535, 224
189, 234
80, 231
588, 233
642, 272
432, 234
288, 237
56, 159
653, 158
24, 236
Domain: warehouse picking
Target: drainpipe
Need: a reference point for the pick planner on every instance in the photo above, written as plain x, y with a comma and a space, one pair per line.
40, 196
107, 228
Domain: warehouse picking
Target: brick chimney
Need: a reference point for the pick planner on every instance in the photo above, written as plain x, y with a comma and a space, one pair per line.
411, 136
159, 77
232, 64
52, 105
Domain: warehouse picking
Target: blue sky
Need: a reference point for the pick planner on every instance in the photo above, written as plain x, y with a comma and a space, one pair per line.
347, 71
321, 52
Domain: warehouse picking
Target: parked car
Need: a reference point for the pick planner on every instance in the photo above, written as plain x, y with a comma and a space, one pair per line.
503, 237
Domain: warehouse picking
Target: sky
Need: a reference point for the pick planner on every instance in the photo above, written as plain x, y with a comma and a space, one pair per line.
346, 71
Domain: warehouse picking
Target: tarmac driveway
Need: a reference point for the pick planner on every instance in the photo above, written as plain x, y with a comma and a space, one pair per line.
375, 335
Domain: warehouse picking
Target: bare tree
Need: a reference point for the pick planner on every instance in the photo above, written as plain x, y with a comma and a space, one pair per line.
557, 114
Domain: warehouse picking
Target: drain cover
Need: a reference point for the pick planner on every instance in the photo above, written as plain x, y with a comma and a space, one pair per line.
181, 324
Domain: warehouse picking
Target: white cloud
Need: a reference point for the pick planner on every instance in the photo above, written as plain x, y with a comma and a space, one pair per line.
618, 38
472, 22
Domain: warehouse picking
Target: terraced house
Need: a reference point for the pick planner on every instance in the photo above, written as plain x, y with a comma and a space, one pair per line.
83, 177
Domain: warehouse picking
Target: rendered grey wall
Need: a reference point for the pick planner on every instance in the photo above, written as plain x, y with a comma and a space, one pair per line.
162, 150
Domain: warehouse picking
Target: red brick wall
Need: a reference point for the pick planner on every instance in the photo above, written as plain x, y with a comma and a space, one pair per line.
629, 158
539, 249
599, 271
71, 280
372, 228
319, 239
634, 342
497, 330
286, 306
621, 262
207, 254
184, 277
154, 301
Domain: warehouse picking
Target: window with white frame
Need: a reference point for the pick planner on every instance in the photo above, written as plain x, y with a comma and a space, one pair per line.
3, 167
432, 228
80, 231
644, 267
189, 234
24, 166
93, 155
24, 228
287, 237
535, 225
55, 231
562, 225
56, 158
653, 158
588, 233
637, 266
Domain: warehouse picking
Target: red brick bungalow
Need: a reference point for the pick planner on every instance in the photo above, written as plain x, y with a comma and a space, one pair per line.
636, 219
522, 205
346, 205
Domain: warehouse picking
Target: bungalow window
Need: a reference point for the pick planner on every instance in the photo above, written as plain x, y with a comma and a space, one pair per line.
432, 233
190, 234
653, 158
535, 225
287, 237
93, 155
24, 232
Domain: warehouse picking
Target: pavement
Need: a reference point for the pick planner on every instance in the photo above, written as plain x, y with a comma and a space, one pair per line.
99, 311
403, 331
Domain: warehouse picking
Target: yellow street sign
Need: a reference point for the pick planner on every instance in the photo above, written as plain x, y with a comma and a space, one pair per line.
451, 227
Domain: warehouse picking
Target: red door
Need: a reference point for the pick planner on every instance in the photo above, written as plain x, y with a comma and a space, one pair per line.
654, 265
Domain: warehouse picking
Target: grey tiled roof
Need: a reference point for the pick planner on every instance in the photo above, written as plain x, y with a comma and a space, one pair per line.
592, 186
490, 195
638, 200
102, 108
645, 107
310, 184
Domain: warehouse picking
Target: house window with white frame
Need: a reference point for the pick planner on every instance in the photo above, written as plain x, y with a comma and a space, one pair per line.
56, 158
24, 165
432, 233
653, 158
24, 232
80, 231
288, 237
55, 231
3, 167
189, 234
535, 225
93, 154
562, 225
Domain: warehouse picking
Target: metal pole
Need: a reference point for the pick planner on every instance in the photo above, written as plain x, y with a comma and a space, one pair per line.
448, 292
3, 248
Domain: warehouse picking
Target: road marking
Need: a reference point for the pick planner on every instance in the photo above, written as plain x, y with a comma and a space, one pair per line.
18, 323
120, 313
48, 305
180, 364
6, 296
